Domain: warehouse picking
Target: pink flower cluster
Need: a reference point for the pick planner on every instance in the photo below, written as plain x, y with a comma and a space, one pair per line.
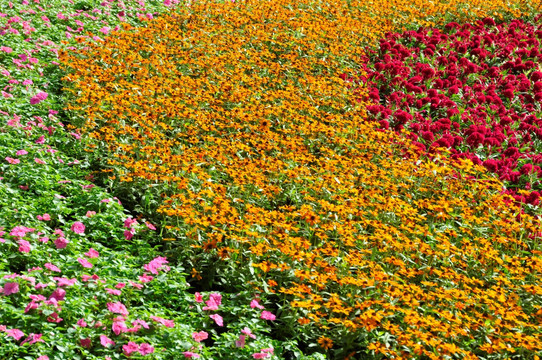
473, 89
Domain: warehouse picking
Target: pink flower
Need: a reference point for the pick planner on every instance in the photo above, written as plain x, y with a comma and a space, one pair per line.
82, 323
59, 294
61, 243
117, 308
130, 222
105, 341
136, 285
43, 357
52, 267
113, 291
39, 97
15, 333
32, 339
105, 30
85, 263
21, 152
86, 343
156, 264
145, 278
241, 342
200, 336
143, 323
255, 304
119, 327
129, 234
41, 140
64, 281
11, 288
266, 315
150, 226
90, 214
20, 231
145, 349
12, 160
190, 354
260, 355
211, 305
24, 246
199, 298
166, 323
218, 319
78, 227
92, 253
44, 217
247, 332
28, 82
6, 49
130, 348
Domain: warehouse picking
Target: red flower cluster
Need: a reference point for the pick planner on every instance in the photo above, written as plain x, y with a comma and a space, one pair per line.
474, 89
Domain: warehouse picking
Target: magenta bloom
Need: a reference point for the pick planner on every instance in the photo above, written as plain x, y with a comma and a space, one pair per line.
241, 342
255, 304
12, 160
61, 243
39, 97
198, 297
260, 355
24, 246
52, 267
59, 294
211, 305
266, 315
86, 343
156, 264
92, 253
130, 348
20, 231
85, 263
190, 354
145, 349
11, 288
165, 322
78, 227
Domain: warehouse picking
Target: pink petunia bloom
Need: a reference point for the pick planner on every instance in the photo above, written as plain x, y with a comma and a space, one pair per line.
92, 253
130, 348
105, 341
28, 82
85, 263
241, 342
145, 349
24, 246
52, 267
266, 315
61, 243
11, 288
247, 332
117, 308
15, 333
255, 304
156, 264
12, 160
190, 354
218, 319
200, 336
78, 227
165, 322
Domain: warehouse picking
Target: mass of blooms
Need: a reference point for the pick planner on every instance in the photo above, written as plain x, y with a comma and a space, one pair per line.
474, 89
218, 180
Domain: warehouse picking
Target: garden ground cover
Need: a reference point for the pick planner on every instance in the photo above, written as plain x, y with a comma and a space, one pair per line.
229, 131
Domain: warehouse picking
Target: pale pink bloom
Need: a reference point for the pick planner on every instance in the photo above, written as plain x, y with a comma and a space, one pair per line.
39, 161
90, 214
11, 288
119, 327
266, 315
255, 304
268, 350
247, 332
150, 226
136, 285
32, 339
113, 291
145, 349
200, 336
241, 342
12, 160
117, 308
129, 222
105, 30
21, 152
190, 354
166, 323
6, 49
28, 82
15, 333
61, 243
92, 253
6, 94
141, 322
85, 263
52, 267
43, 357
105, 341
61, 281
129, 348
218, 319
217, 298
211, 305
24, 246
78, 227
44, 217
199, 298
120, 285
82, 323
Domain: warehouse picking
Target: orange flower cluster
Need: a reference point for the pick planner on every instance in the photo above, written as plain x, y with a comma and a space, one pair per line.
239, 108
